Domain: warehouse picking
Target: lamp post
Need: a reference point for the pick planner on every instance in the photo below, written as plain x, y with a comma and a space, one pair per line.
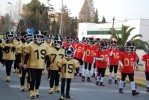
10, 16
61, 32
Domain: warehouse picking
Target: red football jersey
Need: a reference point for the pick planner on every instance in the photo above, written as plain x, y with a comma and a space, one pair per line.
65, 44
114, 57
128, 60
89, 54
145, 58
79, 51
100, 54
74, 45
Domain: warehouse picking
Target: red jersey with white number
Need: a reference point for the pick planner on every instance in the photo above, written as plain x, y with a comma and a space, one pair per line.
127, 61
114, 57
79, 51
100, 54
145, 58
89, 54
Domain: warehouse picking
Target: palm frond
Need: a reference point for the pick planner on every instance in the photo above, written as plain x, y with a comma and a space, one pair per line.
136, 36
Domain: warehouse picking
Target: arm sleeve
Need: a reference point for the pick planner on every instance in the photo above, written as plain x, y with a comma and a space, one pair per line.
120, 63
19, 57
26, 58
99, 59
47, 61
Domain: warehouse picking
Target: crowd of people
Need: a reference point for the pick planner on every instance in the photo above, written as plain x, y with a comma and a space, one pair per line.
66, 57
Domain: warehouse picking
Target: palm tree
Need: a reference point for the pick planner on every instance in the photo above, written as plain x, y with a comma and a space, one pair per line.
123, 37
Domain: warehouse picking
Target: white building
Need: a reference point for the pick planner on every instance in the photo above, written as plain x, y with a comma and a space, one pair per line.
100, 30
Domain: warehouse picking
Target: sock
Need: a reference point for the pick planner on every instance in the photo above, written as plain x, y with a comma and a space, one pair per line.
81, 68
94, 70
115, 76
110, 76
102, 78
86, 72
98, 78
89, 73
121, 84
83, 71
147, 82
132, 85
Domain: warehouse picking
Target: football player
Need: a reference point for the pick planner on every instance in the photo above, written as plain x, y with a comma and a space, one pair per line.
56, 53
114, 56
16, 63
88, 58
36, 53
145, 58
67, 67
79, 51
102, 61
127, 62
20, 58
9, 49
96, 47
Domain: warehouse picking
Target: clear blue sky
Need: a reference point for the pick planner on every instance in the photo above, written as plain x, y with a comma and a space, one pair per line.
121, 9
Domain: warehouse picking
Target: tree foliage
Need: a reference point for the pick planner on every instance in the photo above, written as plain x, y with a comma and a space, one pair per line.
35, 15
87, 13
124, 36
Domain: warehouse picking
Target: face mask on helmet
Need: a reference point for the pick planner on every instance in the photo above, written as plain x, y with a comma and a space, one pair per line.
57, 43
9, 37
130, 47
103, 46
69, 53
38, 39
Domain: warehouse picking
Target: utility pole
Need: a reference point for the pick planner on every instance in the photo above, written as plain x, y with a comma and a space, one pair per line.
61, 23
113, 22
10, 16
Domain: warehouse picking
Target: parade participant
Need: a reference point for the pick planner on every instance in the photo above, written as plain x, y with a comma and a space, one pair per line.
79, 51
127, 62
145, 58
102, 61
88, 58
9, 49
67, 67
114, 57
20, 58
36, 53
56, 53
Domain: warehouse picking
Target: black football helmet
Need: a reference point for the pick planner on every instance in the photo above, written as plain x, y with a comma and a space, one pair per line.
17, 36
69, 52
69, 39
148, 50
90, 41
113, 43
103, 45
9, 36
130, 47
38, 37
58, 41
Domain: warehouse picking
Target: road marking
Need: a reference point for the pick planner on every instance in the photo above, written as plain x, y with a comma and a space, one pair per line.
86, 89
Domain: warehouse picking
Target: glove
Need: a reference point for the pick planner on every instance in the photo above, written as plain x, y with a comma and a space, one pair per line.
13, 48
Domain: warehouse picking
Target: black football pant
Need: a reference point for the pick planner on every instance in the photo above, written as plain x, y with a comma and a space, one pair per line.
16, 63
54, 78
130, 75
101, 71
8, 64
23, 74
147, 76
35, 78
115, 67
68, 82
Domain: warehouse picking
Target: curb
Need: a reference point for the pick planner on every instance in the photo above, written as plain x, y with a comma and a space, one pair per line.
139, 81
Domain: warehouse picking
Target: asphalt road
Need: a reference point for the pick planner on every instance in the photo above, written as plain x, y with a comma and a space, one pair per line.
79, 90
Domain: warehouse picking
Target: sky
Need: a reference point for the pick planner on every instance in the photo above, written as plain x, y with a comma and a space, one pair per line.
121, 9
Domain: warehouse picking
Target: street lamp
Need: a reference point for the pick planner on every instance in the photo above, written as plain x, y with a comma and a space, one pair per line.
61, 32
10, 16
